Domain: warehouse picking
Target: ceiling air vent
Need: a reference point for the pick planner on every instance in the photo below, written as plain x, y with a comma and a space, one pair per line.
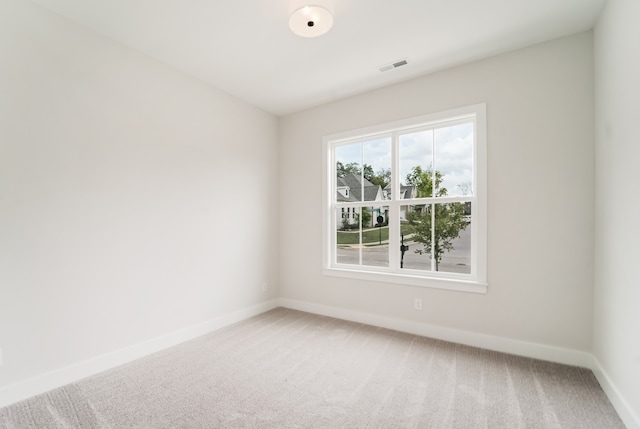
393, 65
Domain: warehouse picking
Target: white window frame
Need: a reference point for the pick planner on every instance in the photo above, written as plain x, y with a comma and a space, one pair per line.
474, 282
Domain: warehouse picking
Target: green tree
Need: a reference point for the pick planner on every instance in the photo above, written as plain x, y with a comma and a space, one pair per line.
366, 217
423, 181
437, 239
382, 178
342, 169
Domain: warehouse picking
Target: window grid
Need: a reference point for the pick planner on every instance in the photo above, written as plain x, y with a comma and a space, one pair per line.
395, 202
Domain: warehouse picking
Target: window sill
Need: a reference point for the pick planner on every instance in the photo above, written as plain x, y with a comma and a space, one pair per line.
429, 282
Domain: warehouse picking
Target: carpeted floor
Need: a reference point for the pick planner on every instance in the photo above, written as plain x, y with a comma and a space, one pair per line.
288, 369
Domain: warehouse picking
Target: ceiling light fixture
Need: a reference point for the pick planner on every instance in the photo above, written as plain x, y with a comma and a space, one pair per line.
310, 18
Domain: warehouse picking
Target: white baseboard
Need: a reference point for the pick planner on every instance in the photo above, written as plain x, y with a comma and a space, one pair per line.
54, 379
625, 411
500, 344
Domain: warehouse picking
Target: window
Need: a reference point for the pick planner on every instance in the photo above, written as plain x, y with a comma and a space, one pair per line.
416, 192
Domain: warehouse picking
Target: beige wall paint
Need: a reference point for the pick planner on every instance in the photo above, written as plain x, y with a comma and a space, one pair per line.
617, 279
134, 200
540, 203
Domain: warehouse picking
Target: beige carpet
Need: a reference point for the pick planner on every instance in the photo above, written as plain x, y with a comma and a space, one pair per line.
288, 369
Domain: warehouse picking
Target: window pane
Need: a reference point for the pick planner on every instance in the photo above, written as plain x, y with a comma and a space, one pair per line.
348, 236
454, 160
453, 228
348, 171
416, 164
415, 237
363, 170
449, 245
375, 236
377, 169
363, 232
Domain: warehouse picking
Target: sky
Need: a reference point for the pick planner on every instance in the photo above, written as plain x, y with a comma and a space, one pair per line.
453, 158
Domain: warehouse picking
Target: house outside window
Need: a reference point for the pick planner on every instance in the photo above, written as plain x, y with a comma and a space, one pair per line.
416, 191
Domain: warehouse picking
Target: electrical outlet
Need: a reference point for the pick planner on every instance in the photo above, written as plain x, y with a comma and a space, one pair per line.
417, 304
265, 287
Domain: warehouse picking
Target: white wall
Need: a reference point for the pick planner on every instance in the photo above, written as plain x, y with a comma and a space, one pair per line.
134, 199
540, 205
124, 189
617, 279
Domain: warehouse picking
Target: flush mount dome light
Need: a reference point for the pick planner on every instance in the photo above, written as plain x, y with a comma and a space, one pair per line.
310, 18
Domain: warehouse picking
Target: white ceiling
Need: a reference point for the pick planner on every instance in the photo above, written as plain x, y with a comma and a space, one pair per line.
245, 47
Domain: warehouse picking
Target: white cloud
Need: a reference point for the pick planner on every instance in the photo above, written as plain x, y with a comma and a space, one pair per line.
453, 154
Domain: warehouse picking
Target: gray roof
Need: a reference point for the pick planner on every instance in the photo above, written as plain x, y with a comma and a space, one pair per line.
406, 191
355, 184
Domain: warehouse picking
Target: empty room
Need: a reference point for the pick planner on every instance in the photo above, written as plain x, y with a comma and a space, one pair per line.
319, 214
